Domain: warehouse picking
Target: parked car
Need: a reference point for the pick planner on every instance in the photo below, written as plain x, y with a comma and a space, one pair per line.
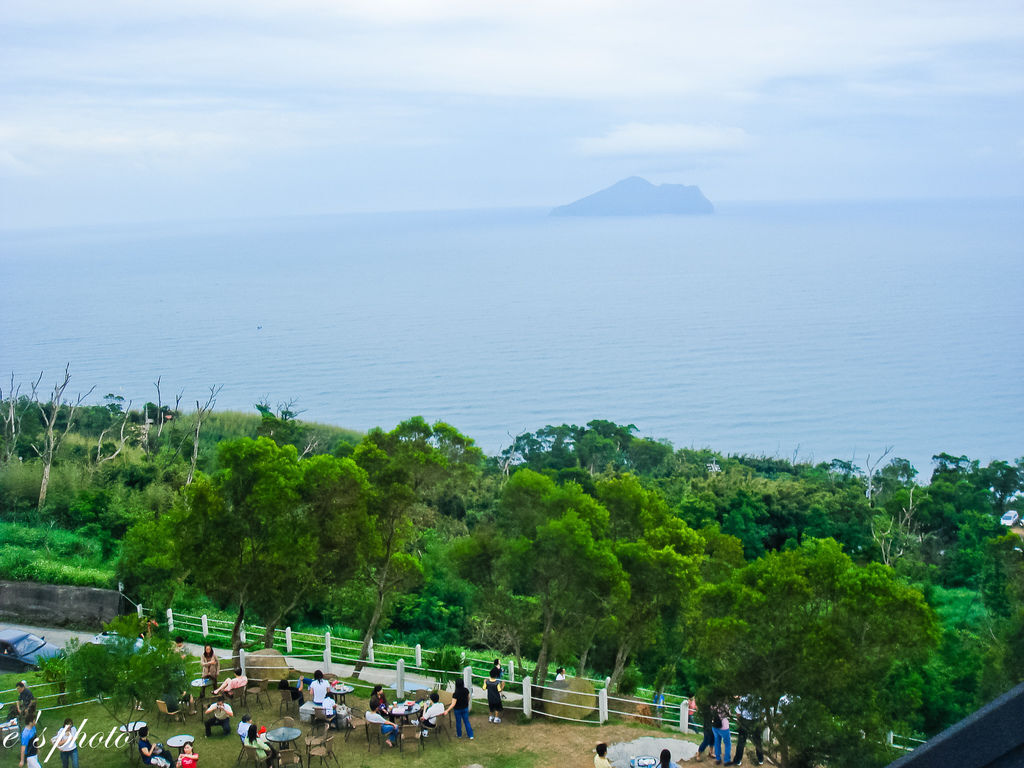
22, 650
1010, 518
108, 638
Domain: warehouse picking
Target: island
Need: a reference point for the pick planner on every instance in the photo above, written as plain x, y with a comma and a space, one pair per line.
638, 197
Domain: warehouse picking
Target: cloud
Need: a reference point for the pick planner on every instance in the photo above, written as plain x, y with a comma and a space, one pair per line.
665, 138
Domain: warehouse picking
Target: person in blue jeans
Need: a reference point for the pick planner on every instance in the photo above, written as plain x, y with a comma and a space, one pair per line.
723, 741
460, 703
708, 730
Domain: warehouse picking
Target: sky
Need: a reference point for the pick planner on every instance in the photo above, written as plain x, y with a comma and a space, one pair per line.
134, 111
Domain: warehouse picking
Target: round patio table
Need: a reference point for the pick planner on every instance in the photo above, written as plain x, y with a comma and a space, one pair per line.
403, 711
179, 741
283, 735
132, 729
341, 690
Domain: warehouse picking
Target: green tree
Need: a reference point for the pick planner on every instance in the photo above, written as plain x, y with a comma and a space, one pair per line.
244, 532
122, 672
811, 629
411, 469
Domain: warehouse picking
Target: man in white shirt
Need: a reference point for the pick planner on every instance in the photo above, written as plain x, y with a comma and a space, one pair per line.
429, 717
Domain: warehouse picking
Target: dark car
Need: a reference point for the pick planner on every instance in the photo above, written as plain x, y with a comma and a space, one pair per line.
22, 650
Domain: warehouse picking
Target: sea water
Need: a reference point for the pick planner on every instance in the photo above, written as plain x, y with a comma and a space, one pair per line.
813, 331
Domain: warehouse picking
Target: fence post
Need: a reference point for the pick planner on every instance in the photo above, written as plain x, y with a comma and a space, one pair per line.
888, 738
327, 651
241, 634
527, 697
287, 639
241, 659
206, 624
372, 659
170, 620
419, 655
512, 671
602, 705
400, 679
138, 610
684, 716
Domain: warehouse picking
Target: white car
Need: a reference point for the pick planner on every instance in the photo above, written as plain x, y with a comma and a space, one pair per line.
1010, 518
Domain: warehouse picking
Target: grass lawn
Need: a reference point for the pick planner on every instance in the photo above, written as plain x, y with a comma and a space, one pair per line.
535, 743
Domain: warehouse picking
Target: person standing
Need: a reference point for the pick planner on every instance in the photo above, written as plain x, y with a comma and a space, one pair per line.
29, 751
460, 704
708, 742
750, 715
723, 740
25, 697
494, 687
67, 744
210, 662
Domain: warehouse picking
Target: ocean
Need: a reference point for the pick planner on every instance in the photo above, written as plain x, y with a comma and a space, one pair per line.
807, 331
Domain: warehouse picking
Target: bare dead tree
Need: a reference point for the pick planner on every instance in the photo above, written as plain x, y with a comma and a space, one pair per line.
311, 445
895, 534
100, 458
12, 419
53, 437
871, 467
202, 411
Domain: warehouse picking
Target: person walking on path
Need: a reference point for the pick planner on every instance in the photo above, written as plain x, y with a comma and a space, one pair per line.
460, 703
494, 687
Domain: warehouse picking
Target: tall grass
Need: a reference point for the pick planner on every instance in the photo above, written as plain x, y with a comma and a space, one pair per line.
53, 556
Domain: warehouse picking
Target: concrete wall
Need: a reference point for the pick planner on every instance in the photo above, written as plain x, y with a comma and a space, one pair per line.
56, 605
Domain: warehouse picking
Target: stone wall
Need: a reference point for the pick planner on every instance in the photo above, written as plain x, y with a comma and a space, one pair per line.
57, 605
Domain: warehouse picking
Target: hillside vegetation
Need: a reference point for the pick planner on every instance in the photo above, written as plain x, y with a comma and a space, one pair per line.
874, 601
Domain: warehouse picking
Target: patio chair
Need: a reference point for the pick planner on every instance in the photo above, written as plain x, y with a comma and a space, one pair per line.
249, 754
324, 751
288, 757
163, 711
255, 691
286, 702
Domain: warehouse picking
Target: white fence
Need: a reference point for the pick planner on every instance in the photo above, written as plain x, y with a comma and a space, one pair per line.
524, 694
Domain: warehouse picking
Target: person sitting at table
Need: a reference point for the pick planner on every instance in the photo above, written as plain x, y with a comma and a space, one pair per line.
378, 701
188, 758
296, 692
330, 712
429, 717
152, 754
210, 662
318, 688
388, 729
243, 727
257, 739
220, 714
232, 685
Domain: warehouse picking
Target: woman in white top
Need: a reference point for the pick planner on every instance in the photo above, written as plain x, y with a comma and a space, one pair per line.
318, 688
67, 742
560, 674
